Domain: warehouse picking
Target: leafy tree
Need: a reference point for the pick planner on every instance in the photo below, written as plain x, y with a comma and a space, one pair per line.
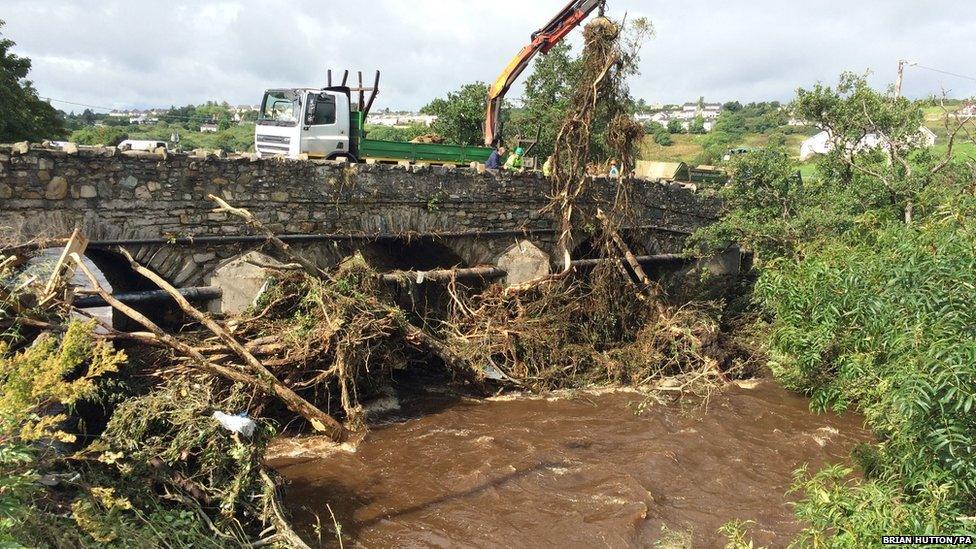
659, 133
461, 115
548, 91
732, 106
101, 135
23, 115
675, 126
855, 115
697, 126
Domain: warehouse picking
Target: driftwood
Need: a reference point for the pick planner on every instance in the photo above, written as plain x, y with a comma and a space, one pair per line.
625, 251
258, 376
413, 335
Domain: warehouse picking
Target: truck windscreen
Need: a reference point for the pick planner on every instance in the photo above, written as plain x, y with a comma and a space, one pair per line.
280, 108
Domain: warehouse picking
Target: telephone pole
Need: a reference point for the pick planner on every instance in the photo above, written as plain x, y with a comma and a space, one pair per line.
901, 74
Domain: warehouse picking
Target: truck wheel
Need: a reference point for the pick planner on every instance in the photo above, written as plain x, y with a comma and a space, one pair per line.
349, 157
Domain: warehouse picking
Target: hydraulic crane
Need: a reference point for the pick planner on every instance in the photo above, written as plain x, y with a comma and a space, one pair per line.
543, 40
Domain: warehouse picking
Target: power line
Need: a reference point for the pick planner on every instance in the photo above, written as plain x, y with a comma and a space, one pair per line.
957, 75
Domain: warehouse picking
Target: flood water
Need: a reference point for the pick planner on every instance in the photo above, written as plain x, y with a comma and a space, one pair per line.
582, 471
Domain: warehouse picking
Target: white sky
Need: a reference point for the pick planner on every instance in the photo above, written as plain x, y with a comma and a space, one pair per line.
117, 53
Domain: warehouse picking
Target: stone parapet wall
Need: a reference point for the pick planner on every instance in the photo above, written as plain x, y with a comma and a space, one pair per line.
128, 194
135, 195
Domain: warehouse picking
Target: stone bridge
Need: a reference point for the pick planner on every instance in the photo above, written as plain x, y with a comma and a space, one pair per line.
401, 217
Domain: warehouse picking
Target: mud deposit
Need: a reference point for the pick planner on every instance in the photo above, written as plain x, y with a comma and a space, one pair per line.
580, 471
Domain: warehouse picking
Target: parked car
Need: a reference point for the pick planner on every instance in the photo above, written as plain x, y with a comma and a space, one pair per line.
141, 145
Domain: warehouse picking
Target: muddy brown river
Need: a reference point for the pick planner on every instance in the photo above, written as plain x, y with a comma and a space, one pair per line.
580, 471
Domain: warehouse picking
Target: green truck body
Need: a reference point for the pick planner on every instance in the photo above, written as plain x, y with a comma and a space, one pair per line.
394, 151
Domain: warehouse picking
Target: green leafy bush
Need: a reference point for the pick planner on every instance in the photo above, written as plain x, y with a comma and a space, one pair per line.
868, 284
882, 321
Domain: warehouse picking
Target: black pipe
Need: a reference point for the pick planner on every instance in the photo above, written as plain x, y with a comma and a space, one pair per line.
642, 259
196, 294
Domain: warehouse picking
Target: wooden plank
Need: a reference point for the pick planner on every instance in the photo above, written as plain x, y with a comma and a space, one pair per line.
64, 269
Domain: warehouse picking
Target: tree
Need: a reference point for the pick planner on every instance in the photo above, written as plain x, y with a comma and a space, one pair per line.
873, 134
548, 91
659, 133
697, 126
23, 115
88, 117
675, 126
460, 116
732, 106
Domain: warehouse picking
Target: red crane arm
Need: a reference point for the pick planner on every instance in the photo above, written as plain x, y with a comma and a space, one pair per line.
543, 40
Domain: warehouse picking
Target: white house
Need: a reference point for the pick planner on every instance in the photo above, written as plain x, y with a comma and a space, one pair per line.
818, 144
823, 143
642, 117
711, 111
927, 137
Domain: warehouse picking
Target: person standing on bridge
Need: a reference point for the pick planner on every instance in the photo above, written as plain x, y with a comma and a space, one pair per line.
549, 165
496, 160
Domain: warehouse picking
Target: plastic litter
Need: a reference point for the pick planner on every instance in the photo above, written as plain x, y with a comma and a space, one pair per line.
236, 424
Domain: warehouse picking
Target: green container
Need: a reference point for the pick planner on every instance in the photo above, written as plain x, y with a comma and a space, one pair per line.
391, 151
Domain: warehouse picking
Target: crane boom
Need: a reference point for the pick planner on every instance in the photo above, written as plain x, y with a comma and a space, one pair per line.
543, 40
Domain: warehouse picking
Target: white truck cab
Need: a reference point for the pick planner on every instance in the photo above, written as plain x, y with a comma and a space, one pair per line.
305, 120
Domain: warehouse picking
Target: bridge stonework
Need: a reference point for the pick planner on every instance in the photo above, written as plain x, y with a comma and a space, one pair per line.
154, 199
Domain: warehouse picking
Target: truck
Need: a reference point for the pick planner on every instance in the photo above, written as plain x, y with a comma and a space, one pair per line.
326, 123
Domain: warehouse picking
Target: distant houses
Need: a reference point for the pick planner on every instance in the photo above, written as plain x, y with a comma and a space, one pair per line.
392, 119
684, 114
823, 143
967, 111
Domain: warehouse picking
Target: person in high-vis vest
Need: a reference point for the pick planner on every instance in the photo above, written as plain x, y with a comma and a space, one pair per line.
549, 166
516, 162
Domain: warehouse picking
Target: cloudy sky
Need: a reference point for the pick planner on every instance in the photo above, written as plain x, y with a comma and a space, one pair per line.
117, 53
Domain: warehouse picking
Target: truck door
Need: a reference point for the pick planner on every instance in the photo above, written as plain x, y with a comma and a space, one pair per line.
325, 130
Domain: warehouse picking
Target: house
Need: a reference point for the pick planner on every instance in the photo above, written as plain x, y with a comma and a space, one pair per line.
710, 111
818, 144
927, 137
209, 127
642, 117
967, 111
688, 111
823, 143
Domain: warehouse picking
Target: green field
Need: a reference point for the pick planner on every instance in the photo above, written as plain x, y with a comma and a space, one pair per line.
964, 147
688, 148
